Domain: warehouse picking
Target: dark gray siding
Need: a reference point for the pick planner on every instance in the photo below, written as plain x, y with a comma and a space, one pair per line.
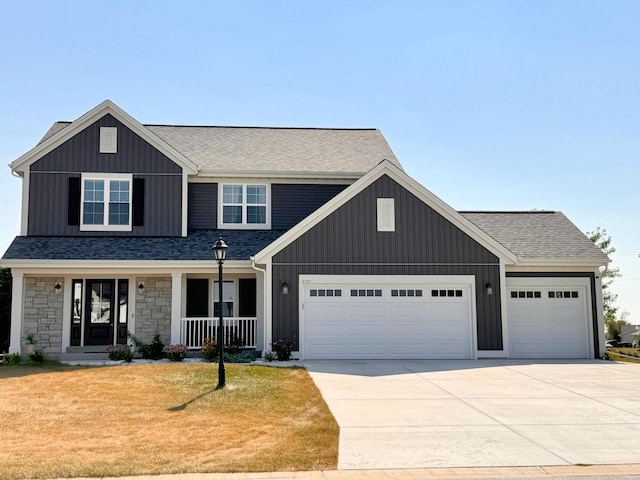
203, 206
424, 243
48, 187
290, 203
594, 304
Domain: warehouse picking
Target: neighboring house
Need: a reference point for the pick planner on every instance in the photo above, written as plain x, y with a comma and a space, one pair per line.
331, 244
629, 333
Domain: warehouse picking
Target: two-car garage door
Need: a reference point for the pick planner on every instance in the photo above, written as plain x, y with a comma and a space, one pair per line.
380, 317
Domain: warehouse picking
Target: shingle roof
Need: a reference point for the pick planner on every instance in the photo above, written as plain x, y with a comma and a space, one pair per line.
272, 150
537, 235
197, 246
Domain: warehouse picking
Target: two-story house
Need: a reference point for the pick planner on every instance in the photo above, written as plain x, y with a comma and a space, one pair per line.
331, 244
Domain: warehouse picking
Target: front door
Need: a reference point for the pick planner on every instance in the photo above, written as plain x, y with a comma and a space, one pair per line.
99, 312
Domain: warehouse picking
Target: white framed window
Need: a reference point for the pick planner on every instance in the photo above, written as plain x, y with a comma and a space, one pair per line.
244, 206
108, 139
386, 215
106, 202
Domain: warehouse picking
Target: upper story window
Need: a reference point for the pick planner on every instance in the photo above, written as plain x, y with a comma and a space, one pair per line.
244, 206
106, 202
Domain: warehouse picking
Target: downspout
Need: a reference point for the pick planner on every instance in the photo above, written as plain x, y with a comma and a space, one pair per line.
266, 305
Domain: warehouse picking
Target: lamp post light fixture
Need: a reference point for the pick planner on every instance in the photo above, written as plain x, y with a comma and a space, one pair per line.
220, 253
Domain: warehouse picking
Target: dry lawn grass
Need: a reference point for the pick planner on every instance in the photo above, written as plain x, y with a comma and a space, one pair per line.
58, 421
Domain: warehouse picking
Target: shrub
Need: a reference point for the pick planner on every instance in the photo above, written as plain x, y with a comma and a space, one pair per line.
175, 353
120, 352
269, 356
36, 356
283, 348
234, 345
11, 359
209, 349
242, 357
152, 351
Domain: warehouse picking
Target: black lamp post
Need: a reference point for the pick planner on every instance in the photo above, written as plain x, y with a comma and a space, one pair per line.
220, 253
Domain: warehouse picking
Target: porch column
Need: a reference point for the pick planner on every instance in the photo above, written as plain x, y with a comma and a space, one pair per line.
176, 306
17, 302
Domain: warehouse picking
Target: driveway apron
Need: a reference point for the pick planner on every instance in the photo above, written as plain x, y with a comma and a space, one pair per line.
480, 413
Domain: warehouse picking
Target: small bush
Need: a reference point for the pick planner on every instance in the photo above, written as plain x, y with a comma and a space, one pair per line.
283, 348
269, 356
242, 357
11, 359
175, 353
36, 356
120, 352
152, 351
235, 345
209, 349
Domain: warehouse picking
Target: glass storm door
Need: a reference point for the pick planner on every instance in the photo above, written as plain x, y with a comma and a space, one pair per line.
99, 316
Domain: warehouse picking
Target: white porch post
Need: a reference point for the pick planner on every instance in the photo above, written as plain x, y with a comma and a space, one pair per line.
176, 306
17, 301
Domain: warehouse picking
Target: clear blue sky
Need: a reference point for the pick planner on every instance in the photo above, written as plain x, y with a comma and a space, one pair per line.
492, 105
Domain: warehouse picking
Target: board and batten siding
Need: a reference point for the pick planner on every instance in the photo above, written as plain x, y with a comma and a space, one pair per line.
291, 202
424, 243
49, 182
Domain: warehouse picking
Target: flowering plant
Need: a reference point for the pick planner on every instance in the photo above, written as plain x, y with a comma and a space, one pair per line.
209, 349
175, 353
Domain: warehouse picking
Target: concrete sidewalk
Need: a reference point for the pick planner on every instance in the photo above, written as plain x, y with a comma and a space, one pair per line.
481, 413
601, 471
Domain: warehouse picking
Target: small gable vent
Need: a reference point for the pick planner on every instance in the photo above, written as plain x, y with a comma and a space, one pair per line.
386, 215
108, 139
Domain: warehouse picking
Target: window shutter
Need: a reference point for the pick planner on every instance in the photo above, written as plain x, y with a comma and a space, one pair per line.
138, 202
73, 211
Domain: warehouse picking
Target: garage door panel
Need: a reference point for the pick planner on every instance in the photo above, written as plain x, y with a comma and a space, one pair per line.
553, 324
396, 322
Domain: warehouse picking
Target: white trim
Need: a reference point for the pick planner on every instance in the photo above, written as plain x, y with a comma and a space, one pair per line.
17, 303
600, 313
185, 203
386, 215
503, 309
387, 168
272, 178
22, 164
108, 139
281, 174
107, 179
560, 262
67, 301
304, 281
24, 215
244, 225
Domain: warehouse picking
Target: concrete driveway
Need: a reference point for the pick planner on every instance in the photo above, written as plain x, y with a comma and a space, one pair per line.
481, 413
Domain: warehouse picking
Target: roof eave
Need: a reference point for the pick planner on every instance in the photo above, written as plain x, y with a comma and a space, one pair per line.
559, 262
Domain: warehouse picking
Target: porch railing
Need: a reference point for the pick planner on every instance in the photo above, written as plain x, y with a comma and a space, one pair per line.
193, 331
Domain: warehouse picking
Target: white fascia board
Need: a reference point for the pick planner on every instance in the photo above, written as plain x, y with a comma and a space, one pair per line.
281, 174
387, 168
135, 266
272, 179
558, 262
106, 107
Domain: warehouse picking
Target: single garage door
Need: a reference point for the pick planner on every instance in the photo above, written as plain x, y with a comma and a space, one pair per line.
380, 317
548, 317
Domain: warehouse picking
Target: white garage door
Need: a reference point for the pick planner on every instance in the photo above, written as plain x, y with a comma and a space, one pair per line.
379, 317
548, 317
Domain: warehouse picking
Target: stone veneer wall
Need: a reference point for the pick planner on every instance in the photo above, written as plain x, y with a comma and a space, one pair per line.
153, 309
43, 313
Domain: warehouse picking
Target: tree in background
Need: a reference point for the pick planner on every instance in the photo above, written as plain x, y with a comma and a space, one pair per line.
613, 320
5, 308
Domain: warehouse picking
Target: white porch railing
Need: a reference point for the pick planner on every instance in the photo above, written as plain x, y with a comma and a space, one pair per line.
193, 331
